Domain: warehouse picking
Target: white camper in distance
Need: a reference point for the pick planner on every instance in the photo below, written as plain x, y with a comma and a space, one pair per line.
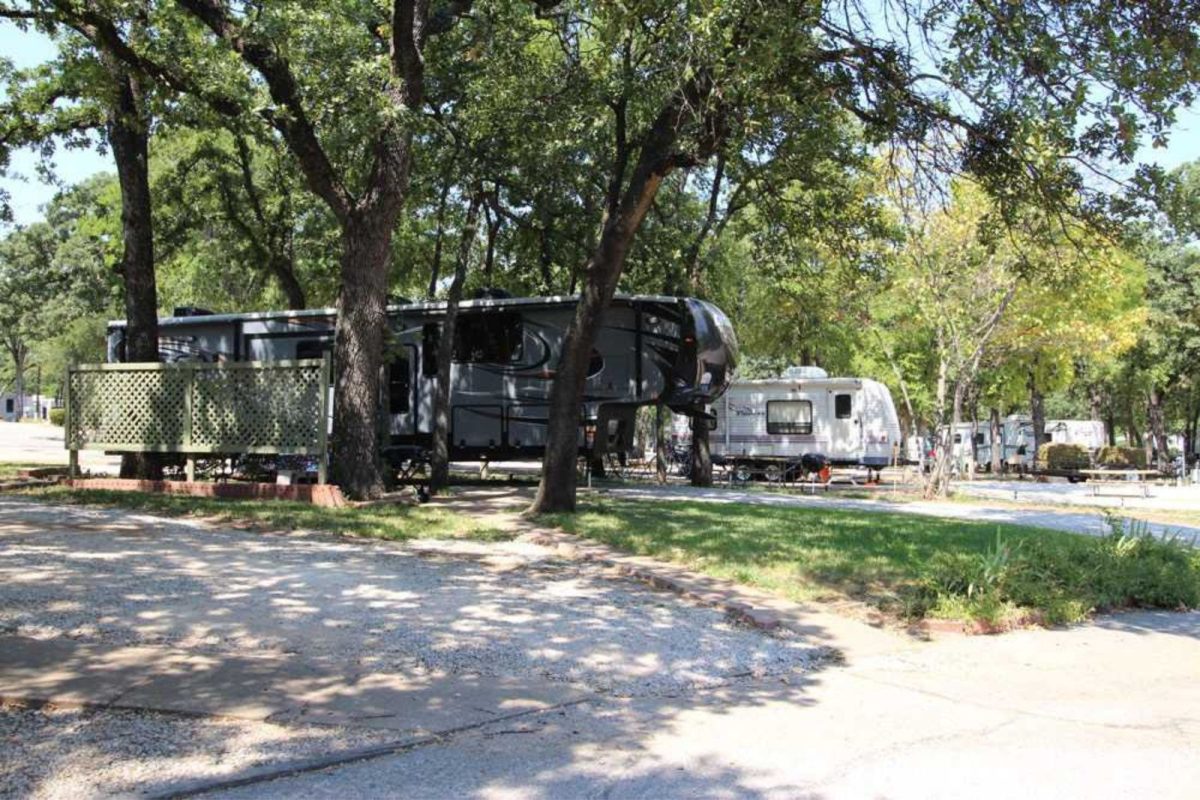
766, 426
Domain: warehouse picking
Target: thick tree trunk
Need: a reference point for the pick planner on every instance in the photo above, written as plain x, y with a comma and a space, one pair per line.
996, 432
1095, 403
283, 268
440, 462
1037, 411
624, 213
702, 470
358, 353
556, 492
1158, 428
1193, 430
1133, 436
19, 388
1110, 426
938, 480
128, 129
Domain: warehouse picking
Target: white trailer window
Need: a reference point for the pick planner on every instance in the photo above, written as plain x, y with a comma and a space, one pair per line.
789, 416
843, 405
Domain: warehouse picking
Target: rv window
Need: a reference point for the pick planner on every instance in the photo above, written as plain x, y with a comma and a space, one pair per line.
980, 438
789, 416
492, 337
399, 386
313, 348
842, 405
958, 438
431, 334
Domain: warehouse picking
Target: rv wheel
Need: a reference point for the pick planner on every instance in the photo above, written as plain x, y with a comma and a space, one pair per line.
773, 473
742, 473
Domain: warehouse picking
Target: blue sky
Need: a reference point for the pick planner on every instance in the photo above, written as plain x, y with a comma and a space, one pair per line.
29, 193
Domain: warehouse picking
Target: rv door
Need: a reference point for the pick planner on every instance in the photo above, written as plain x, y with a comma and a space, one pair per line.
845, 428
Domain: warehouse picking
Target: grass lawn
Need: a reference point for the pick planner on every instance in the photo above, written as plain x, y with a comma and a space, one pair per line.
9, 470
397, 522
908, 566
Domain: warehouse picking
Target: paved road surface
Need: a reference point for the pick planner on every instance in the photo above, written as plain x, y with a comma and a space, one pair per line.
1092, 524
502, 671
36, 443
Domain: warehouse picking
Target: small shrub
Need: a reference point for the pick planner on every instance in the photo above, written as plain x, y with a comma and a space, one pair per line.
1121, 457
1058, 456
58, 416
1064, 580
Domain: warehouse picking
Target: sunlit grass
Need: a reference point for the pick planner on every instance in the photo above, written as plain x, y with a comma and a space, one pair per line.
10, 470
904, 564
390, 521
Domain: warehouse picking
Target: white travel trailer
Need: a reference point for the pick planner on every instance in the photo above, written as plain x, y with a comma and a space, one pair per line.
1087, 432
766, 427
1017, 435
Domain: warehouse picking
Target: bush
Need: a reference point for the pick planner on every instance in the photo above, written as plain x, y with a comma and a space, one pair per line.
1121, 457
1067, 580
1063, 456
58, 416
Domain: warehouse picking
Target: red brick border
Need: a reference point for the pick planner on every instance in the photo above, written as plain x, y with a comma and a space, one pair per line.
318, 494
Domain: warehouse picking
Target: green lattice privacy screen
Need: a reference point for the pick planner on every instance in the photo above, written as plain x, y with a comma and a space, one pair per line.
245, 407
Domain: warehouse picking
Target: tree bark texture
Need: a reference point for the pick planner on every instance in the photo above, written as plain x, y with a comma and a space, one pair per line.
128, 133
440, 461
358, 353
997, 435
1158, 428
624, 211
1037, 410
660, 443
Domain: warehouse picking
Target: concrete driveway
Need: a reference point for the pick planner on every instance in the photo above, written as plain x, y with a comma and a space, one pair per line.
255, 665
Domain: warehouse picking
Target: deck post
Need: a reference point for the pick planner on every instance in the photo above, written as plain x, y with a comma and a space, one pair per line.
323, 428
72, 454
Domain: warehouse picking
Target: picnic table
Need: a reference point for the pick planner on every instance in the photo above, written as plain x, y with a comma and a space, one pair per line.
1138, 478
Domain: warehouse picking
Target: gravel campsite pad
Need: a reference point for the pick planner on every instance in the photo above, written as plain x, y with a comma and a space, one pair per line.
509, 610
109, 577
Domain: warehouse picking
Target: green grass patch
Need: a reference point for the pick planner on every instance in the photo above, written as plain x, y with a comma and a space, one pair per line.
10, 470
908, 566
397, 522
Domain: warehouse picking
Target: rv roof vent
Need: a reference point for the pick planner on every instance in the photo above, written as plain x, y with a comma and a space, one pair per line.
804, 373
191, 311
491, 293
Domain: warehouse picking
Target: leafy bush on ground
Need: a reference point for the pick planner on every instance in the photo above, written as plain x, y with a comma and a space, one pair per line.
1064, 581
1121, 457
1058, 456
58, 416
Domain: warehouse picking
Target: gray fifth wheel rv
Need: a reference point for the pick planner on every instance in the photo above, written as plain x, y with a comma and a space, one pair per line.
785, 427
649, 349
